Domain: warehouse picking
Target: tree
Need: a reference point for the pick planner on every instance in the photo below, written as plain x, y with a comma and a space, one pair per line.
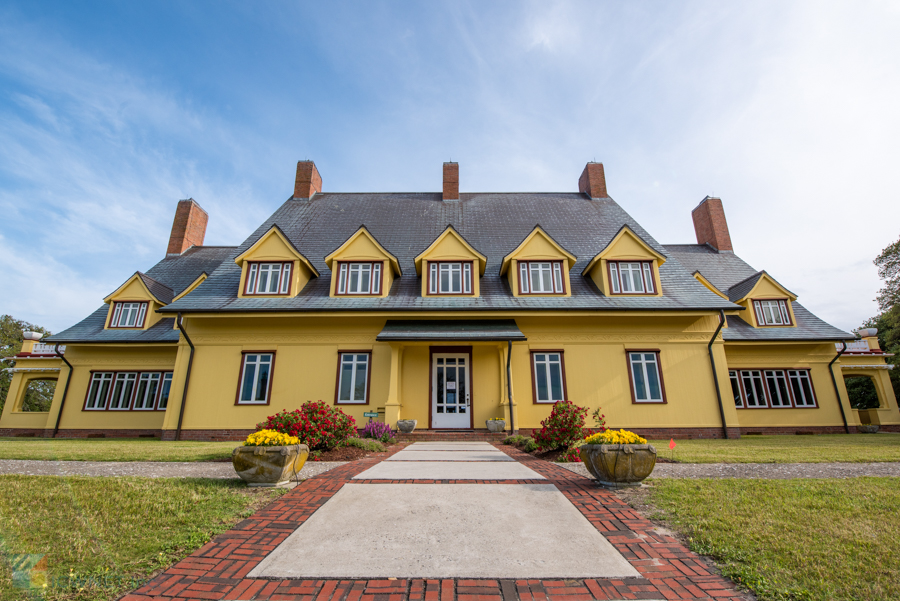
888, 263
11, 338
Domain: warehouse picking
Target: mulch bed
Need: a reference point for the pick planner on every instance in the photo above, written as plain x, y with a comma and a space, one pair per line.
345, 454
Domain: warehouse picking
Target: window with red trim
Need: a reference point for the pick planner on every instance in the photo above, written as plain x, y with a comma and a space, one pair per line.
128, 314
123, 391
268, 278
449, 278
631, 277
359, 278
541, 277
772, 312
775, 388
646, 377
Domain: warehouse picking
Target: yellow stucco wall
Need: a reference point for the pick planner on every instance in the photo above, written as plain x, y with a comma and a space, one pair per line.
13, 416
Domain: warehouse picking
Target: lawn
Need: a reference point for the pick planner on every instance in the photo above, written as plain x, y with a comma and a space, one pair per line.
823, 448
104, 536
124, 449
791, 539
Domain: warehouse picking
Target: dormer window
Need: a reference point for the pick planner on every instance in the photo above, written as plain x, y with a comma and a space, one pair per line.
541, 277
128, 315
268, 278
772, 312
359, 279
450, 278
627, 277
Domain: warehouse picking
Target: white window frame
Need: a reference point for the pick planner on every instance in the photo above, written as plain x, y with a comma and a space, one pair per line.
129, 383
102, 378
346, 271
258, 362
437, 268
799, 375
125, 311
527, 281
165, 387
735, 378
644, 364
644, 269
143, 395
545, 366
761, 395
354, 362
772, 312
281, 270
775, 400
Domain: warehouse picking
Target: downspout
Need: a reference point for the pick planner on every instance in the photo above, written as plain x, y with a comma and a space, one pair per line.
834, 381
712, 362
187, 377
62, 403
512, 418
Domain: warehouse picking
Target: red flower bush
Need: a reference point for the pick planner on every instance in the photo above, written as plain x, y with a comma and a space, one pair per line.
317, 424
563, 428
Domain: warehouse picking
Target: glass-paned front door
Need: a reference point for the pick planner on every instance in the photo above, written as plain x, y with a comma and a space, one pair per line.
450, 396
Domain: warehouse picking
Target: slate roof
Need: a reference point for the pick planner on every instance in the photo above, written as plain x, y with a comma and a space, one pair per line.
730, 274
163, 293
406, 224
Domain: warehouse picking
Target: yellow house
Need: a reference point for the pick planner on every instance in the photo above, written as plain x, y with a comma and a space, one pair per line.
449, 309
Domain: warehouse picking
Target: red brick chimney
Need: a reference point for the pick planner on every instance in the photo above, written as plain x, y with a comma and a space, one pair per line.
308, 180
710, 225
189, 227
593, 181
451, 181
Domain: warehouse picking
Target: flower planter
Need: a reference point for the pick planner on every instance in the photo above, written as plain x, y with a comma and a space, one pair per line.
269, 466
496, 425
867, 428
406, 425
619, 465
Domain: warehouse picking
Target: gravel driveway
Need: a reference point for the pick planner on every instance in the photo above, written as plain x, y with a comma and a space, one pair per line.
144, 469
772, 471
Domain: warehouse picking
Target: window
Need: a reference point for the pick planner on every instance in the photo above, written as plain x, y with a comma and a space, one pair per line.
541, 277
256, 379
449, 278
147, 389
359, 278
115, 391
631, 277
123, 387
98, 391
646, 381
164, 392
38, 395
548, 376
776, 388
128, 315
772, 312
353, 377
268, 278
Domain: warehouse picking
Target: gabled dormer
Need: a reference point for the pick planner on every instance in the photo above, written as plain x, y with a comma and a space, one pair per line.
133, 305
628, 266
768, 303
450, 266
273, 267
539, 266
709, 285
361, 266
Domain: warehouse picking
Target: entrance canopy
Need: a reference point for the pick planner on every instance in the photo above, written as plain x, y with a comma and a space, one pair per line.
438, 329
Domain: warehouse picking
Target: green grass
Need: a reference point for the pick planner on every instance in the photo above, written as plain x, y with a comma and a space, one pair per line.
125, 449
103, 536
792, 539
826, 448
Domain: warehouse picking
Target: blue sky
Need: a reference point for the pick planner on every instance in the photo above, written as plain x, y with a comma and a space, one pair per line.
112, 111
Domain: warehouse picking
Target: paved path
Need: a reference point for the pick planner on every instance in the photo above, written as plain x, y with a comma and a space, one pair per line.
771, 471
412, 523
144, 469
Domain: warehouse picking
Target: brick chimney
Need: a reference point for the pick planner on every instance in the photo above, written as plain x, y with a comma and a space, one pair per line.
593, 181
710, 225
451, 181
308, 180
189, 227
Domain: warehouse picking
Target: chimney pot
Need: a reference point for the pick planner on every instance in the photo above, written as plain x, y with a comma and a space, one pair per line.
710, 225
308, 181
593, 181
451, 181
189, 227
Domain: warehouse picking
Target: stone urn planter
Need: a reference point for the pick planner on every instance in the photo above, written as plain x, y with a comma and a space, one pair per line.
867, 428
496, 425
269, 466
619, 465
406, 426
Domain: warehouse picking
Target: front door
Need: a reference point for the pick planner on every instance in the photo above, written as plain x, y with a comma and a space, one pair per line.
450, 385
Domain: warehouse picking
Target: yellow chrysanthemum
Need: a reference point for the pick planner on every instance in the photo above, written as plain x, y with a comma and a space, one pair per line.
270, 438
615, 437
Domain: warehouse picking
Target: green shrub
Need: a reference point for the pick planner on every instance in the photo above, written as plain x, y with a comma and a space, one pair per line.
365, 443
515, 440
530, 445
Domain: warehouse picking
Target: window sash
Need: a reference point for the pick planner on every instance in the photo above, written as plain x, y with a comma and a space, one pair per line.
353, 378
256, 378
540, 277
772, 312
450, 278
549, 377
376, 278
736, 388
645, 377
523, 278
163, 403
777, 389
801, 388
129, 315
754, 389
147, 389
123, 390
433, 278
98, 392
631, 277
269, 278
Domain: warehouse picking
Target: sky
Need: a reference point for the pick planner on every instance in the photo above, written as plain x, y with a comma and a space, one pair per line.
110, 112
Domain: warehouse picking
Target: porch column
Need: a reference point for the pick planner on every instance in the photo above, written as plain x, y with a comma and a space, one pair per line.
392, 404
504, 396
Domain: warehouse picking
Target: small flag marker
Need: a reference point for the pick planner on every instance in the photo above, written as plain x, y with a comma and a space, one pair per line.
672, 443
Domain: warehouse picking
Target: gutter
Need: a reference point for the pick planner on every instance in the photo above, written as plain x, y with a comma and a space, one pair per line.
62, 403
837, 392
187, 377
712, 362
512, 418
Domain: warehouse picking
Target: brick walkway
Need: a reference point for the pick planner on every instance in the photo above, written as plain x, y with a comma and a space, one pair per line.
219, 569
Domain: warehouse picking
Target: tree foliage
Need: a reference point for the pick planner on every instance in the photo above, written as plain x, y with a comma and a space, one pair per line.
888, 263
11, 338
